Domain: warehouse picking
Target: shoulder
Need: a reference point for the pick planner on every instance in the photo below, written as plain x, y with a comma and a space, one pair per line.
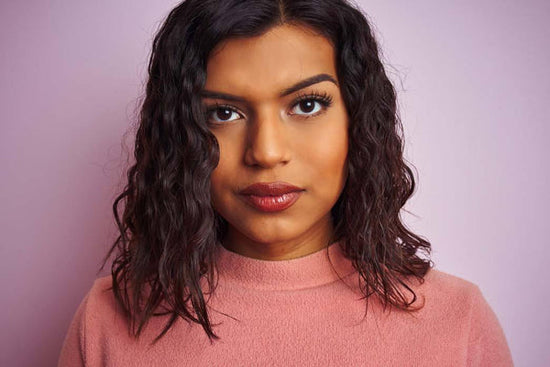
90, 321
457, 301
445, 285
100, 296
102, 286
99, 309
443, 294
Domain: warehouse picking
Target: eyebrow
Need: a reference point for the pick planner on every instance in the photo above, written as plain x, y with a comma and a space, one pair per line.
296, 87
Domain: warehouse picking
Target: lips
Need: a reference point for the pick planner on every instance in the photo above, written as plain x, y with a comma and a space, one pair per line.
271, 196
270, 189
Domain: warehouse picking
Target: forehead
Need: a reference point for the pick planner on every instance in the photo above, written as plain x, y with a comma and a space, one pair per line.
260, 67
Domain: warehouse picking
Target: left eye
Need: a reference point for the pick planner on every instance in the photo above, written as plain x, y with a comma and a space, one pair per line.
223, 114
307, 107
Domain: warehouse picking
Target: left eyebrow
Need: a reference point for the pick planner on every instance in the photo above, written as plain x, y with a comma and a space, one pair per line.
296, 87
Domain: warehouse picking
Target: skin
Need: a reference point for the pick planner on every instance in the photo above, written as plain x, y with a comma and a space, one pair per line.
267, 137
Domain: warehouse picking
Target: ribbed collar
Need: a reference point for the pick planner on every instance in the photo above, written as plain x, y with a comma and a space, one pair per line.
308, 271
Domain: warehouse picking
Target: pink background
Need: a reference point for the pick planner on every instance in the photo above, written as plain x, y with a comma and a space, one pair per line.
474, 92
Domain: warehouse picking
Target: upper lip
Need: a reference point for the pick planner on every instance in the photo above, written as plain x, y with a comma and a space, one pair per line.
270, 189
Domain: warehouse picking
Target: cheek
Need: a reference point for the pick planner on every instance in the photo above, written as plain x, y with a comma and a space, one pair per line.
223, 176
218, 189
325, 159
330, 160
327, 147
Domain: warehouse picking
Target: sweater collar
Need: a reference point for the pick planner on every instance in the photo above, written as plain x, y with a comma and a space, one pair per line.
308, 271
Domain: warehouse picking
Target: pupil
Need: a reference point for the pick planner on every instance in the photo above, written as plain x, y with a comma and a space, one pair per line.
224, 113
307, 106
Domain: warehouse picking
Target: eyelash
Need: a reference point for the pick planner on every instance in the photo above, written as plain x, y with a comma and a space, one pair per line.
322, 97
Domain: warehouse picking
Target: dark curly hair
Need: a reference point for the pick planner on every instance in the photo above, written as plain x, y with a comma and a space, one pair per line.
169, 230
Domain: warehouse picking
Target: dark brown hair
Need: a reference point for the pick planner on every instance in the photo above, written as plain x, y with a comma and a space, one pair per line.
169, 230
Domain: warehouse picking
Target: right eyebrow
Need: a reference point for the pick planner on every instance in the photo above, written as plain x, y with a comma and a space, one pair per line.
294, 88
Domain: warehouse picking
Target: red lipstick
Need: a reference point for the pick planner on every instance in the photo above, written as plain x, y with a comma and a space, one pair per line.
271, 196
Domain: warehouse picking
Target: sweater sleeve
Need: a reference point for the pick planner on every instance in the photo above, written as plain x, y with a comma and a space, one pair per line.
73, 349
487, 344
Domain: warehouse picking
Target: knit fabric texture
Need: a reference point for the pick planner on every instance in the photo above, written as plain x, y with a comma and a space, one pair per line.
307, 311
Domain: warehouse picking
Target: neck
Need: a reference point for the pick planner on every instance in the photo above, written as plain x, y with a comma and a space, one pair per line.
316, 269
316, 238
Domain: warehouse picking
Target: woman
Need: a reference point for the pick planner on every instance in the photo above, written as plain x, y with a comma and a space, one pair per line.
261, 220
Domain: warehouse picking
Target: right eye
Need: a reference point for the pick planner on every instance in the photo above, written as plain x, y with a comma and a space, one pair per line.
220, 114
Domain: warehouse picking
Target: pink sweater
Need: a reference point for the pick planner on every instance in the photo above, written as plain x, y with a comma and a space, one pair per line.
297, 313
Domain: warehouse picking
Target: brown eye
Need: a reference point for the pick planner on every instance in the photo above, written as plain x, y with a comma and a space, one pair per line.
307, 107
222, 114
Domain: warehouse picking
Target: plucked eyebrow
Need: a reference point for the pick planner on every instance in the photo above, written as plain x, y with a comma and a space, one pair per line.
296, 87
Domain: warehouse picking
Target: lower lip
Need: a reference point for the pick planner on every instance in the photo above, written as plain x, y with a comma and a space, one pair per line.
273, 203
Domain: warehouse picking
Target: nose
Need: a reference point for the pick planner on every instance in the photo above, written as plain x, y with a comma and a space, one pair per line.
267, 143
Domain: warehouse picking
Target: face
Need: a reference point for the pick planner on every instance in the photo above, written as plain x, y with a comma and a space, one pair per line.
274, 104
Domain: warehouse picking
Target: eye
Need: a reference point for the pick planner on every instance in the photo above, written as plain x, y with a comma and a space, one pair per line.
312, 104
220, 113
307, 107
